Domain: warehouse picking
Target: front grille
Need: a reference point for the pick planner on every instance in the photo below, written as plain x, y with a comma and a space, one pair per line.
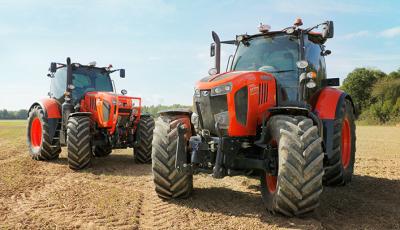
262, 93
241, 105
106, 111
207, 107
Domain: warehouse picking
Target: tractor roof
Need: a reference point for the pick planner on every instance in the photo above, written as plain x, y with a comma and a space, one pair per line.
264, 29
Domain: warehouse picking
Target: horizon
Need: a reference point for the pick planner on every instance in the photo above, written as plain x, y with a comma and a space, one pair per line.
164, 45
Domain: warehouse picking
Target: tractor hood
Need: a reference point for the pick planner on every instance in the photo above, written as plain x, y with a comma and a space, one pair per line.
235, 77
106, 107
234, 99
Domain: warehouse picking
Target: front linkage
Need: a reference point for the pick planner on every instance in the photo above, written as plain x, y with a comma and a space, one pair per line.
223, 156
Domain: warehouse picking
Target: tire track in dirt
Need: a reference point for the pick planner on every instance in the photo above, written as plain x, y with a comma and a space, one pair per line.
65, 203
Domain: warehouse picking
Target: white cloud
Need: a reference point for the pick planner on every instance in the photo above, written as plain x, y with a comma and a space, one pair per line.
391, 33
358, 34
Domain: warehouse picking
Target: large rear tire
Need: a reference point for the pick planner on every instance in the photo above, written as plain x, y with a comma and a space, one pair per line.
78, 142
169, 182
41, 147
298, 185
340, 167
142, 152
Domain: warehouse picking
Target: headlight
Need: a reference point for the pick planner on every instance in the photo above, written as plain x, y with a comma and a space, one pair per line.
196, 92
222, 119
221, 90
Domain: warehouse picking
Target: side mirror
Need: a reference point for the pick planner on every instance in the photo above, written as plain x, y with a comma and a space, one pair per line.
327, 30
326, 52
212, 50
124, 92
122, 73
53, 67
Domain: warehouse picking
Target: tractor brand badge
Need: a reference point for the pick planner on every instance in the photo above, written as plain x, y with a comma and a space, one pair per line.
205, 93
254, 90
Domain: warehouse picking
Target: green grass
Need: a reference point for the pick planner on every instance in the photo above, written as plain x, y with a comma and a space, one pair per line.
12, 122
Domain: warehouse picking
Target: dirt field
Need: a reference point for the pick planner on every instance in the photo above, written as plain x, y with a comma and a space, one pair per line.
116, 193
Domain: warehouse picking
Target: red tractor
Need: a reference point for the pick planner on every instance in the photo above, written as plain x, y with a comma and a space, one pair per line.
84, 113
273, 112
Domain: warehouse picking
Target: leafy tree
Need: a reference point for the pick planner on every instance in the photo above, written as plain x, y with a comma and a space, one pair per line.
359, 85
154, 109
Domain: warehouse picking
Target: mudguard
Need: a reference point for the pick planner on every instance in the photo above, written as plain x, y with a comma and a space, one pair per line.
178, 111
328, 109
52, 111
50, 106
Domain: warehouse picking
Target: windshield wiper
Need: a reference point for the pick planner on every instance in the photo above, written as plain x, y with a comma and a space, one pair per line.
282, 71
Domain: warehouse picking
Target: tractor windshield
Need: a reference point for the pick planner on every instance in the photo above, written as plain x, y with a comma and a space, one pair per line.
86, 79
277, 55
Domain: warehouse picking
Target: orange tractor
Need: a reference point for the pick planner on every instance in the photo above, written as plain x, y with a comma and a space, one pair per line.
273, 112
84, 113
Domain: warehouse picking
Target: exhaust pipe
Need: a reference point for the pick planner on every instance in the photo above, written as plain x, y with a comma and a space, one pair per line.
69, 74
217, 43
67, 107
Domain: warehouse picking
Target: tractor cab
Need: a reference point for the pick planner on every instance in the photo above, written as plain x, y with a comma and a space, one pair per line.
294, 56
85, 78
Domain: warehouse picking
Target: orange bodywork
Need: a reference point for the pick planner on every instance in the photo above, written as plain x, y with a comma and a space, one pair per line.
325, 106
120, 106
261, 96
52, 107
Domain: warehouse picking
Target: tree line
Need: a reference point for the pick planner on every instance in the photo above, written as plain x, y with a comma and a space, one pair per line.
13, 115
376, 94
23, 113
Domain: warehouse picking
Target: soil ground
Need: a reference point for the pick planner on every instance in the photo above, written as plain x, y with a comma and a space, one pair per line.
117, 193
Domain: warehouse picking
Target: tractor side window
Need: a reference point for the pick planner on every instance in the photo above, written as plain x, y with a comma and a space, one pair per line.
59, 84
313, 52
315, 60
102, 83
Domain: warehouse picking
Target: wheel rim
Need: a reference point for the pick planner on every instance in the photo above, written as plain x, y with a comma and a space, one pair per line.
346, 143
271, 180
271, 183
36, 133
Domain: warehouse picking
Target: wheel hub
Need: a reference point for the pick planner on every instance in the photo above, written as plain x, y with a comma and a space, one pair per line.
36, 133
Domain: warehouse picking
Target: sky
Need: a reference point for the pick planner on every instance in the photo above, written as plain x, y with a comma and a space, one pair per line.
164, 45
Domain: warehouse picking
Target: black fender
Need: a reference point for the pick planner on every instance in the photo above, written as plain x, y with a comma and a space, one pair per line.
178, 111
286, 110
77, 114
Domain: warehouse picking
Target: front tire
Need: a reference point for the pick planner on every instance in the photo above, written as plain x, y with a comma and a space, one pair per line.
41, 147
102, 150
169, 182
78, 142
142, 152
296, 188
340, 167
